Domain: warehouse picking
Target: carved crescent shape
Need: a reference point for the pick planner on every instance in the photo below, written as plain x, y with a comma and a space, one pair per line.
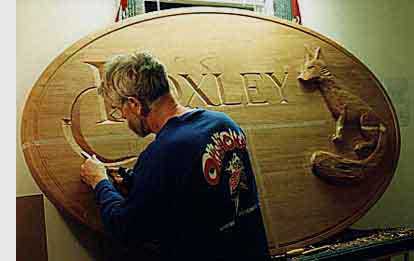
74, 137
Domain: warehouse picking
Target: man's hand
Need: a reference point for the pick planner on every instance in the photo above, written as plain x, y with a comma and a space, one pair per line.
113, 172
92, 171
117, 180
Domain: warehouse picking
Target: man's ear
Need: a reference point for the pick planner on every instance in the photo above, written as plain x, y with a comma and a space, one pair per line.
134, 104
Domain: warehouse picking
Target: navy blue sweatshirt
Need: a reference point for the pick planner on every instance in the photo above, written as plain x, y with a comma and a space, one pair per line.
193, 188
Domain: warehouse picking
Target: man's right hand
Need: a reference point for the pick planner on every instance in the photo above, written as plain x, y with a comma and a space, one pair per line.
92, 171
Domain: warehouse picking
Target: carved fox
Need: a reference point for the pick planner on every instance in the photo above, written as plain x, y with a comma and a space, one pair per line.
348, 110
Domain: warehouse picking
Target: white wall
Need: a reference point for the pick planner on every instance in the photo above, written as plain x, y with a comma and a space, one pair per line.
44, 29
380, 34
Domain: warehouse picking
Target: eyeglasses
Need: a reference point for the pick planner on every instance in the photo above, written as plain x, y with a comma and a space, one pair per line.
116, 111
116, 114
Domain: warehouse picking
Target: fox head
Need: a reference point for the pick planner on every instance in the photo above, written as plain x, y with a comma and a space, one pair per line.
314, 69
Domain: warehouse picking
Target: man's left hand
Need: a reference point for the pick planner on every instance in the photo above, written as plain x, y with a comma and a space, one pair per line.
93, 171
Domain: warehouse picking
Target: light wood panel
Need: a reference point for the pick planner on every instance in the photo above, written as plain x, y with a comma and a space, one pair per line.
232, 61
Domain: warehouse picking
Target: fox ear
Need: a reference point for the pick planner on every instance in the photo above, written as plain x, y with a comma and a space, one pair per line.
307, 57
317, 53
308, 53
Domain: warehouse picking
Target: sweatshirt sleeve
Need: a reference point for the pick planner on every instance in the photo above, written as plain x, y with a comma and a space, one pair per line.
105, 191
134, 218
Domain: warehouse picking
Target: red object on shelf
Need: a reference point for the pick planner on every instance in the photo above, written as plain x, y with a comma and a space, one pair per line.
296, 11
123, 5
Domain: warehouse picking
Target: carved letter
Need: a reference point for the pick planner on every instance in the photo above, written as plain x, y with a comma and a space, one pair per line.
279, 85
104, 117
222, 96
175, 88
197, 90
253, 83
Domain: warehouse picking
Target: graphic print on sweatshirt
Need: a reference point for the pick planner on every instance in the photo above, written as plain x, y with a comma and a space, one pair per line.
222, 165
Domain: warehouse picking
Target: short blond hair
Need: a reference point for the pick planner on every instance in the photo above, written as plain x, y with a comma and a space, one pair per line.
138, 75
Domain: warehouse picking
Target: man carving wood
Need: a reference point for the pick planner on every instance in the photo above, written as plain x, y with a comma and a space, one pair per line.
193, 187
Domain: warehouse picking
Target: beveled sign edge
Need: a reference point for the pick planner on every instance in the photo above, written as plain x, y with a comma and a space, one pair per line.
51, 69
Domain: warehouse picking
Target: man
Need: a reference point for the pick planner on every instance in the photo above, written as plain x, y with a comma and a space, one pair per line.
193, 187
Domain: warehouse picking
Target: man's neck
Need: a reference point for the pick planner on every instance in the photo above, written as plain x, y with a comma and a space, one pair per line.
163, 109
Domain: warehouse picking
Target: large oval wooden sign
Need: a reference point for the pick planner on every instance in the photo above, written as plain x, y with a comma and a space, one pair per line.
322, 133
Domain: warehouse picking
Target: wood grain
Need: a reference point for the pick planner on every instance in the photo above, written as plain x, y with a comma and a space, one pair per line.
226, 60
